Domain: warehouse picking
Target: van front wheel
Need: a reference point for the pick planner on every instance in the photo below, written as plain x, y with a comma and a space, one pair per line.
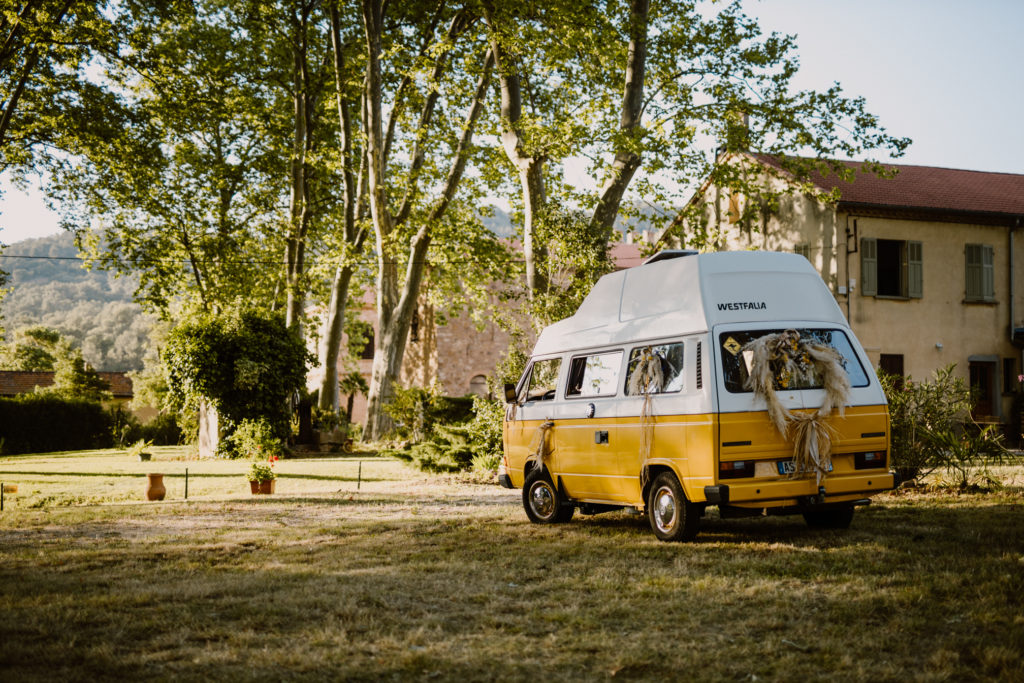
543, 502
672, 516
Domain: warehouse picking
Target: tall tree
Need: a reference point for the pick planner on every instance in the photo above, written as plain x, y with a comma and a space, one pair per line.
45, 48
418, 212
183, 187
643, 89
348, 97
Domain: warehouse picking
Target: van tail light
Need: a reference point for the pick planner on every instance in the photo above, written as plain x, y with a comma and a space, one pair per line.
736, 469
869, 461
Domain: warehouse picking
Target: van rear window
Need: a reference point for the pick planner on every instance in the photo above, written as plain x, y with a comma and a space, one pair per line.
736, 362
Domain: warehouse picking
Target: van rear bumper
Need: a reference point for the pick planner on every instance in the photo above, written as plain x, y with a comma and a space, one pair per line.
782, 491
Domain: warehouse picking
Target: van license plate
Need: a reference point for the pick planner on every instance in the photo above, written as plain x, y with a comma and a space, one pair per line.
789, 467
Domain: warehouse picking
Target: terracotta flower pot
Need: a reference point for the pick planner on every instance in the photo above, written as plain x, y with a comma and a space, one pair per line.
155, 489
262, 486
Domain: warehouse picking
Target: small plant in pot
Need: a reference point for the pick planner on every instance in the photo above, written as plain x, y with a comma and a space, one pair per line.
262, 476
138, 449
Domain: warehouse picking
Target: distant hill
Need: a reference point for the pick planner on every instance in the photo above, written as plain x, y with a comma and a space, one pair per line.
50, 287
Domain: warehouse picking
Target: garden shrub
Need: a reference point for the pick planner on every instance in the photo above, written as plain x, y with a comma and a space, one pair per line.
246, 363
932, 429
463, 445
416, 411
40, 423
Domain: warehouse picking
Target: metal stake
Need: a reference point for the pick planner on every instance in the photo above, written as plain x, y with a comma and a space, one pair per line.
186, 483
359, 482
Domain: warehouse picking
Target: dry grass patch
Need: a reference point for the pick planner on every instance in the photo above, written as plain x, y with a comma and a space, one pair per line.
432, 578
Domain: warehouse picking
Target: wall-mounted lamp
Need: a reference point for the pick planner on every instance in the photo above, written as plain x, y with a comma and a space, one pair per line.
938, 345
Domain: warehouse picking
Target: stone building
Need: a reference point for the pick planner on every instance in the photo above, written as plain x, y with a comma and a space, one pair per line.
924, 264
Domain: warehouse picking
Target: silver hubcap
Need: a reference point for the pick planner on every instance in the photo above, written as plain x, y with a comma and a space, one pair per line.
665, 509
542, 498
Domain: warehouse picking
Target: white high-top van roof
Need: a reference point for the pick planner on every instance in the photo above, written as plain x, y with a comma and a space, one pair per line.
691, 294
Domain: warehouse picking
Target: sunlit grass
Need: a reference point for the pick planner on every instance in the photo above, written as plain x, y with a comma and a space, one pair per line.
420, 577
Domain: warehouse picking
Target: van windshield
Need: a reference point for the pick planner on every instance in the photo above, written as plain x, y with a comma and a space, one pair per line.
736, 361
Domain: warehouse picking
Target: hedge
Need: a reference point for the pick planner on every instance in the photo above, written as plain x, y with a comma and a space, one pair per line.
41, 423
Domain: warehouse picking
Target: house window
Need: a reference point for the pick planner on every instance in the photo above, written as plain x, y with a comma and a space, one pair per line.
982, 375
1010, 375
891, 268
980, 273
367, 353
892, 364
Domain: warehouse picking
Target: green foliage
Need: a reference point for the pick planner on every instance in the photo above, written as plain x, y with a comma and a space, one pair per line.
261, 472
39, 423
41, 349
932, 430
575, 256
418, 411
33, 349
138, 448
254, 439
163, 430
463, 445
74, 379
91, 307
125, 428
968, 453
246, 363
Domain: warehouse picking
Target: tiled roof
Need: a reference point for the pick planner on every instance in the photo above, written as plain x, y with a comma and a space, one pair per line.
926, 188
14, 382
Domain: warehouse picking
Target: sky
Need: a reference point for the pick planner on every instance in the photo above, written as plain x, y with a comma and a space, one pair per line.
945, 73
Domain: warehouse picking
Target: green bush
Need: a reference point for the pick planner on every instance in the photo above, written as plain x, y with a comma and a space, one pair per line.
40, 423
416, 411
162, 430
932, 429
473, 444
246, 363
253, 439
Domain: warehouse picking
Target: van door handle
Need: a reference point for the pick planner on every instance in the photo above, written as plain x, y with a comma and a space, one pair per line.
601, 437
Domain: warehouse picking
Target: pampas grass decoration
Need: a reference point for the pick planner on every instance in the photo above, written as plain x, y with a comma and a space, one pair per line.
647, 378
541, 444
792, 361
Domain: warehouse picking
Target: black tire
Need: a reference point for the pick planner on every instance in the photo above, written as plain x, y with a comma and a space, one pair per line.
833, 518
543, 502
672, 516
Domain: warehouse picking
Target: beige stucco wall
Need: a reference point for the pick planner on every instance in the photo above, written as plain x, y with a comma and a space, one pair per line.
914, 328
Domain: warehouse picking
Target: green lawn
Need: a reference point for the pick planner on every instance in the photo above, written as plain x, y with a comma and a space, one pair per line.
436, 578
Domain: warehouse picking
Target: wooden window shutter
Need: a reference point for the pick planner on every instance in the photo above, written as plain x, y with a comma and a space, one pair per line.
973, 285
869, 266
988, 274
915, 270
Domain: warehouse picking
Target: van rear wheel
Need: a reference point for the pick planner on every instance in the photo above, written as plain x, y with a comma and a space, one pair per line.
672, 516
833, 518
543, 502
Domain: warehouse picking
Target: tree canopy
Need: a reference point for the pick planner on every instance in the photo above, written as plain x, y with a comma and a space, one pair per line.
227, 150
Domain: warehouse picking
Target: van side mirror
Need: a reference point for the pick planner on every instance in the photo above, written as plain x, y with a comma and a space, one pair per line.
510, 393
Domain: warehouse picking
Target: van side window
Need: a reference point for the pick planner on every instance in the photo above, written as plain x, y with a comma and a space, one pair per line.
669, 358
596, 375
544, 379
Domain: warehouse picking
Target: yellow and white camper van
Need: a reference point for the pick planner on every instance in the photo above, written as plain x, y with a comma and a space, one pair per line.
728, 379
